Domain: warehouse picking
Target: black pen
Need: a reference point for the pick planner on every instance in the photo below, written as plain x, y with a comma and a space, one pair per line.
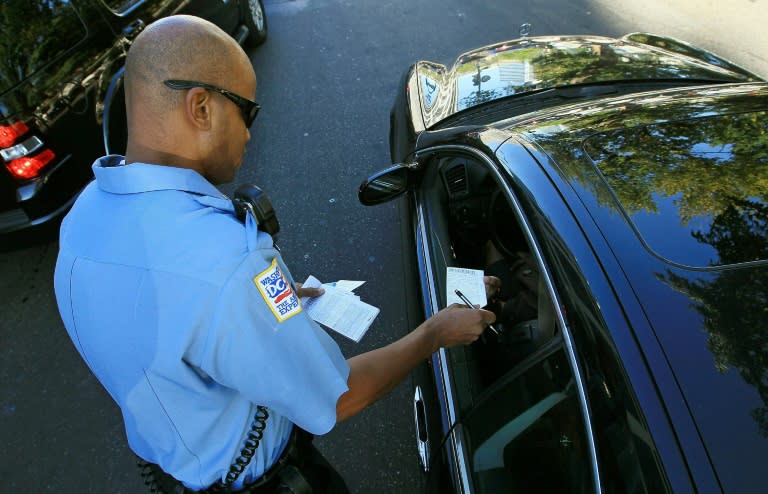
469, 304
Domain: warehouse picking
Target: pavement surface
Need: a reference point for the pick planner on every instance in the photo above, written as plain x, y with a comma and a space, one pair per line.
733, 29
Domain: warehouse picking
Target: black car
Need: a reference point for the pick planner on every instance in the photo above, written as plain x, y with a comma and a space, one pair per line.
619, 187
61, 99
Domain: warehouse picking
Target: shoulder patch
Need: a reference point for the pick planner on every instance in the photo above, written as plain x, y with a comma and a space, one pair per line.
277, 292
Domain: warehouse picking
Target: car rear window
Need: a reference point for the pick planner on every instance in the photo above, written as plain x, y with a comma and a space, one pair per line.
34, 34
694, 190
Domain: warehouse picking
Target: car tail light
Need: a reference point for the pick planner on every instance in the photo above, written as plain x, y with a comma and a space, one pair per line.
23, 159
30, 166
29, 146
9, 134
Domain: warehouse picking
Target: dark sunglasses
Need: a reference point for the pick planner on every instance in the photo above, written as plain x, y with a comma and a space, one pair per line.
248, 108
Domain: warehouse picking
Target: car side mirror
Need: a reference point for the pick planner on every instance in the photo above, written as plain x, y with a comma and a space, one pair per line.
385, 185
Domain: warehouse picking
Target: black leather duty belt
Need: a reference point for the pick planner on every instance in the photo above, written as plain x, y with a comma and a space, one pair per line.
286, 472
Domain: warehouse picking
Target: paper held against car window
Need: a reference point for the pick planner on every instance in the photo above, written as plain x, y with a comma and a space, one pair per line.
339, 308
469, 282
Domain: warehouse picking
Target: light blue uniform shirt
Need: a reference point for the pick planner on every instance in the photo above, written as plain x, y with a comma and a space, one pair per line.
189, 320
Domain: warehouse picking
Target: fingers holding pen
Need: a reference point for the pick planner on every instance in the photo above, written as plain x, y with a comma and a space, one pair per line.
460, 325
477, 317
469, 304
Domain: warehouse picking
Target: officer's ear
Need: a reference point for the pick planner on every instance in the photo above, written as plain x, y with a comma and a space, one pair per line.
198, 105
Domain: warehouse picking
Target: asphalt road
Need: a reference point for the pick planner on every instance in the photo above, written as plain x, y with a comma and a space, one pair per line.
327, 77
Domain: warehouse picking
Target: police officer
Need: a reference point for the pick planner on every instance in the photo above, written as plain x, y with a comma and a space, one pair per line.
188, 317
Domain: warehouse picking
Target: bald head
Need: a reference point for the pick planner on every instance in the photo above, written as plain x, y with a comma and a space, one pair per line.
193, 127
177, 47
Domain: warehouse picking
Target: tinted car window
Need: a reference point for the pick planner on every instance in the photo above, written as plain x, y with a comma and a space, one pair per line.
526, 433
34, 33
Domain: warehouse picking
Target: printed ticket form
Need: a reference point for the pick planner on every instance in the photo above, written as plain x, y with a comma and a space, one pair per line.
469, 282
339, 308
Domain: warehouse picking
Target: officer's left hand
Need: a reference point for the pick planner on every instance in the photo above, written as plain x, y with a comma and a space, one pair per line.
308, 292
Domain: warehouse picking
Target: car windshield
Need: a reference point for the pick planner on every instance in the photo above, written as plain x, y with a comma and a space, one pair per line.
582, 64
517, 68
34, 33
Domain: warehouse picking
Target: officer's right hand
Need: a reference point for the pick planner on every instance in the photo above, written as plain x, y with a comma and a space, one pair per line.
458, 325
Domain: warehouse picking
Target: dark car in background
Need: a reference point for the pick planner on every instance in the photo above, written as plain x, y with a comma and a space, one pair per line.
61, 98
629, 178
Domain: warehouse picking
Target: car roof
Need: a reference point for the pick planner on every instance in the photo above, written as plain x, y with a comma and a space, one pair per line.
676, 183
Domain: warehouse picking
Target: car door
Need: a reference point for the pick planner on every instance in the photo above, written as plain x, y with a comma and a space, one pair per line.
130, 16
510, 408
552, 383
223, 13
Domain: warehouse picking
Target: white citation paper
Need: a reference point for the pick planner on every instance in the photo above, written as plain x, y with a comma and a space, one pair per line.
339, 309
469, 282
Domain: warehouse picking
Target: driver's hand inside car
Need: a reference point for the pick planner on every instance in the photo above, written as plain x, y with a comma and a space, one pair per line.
492, 287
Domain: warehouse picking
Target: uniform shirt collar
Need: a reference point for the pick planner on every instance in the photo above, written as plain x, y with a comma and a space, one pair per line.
114, 176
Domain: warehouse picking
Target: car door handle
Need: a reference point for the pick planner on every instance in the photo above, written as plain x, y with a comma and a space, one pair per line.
422, 431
